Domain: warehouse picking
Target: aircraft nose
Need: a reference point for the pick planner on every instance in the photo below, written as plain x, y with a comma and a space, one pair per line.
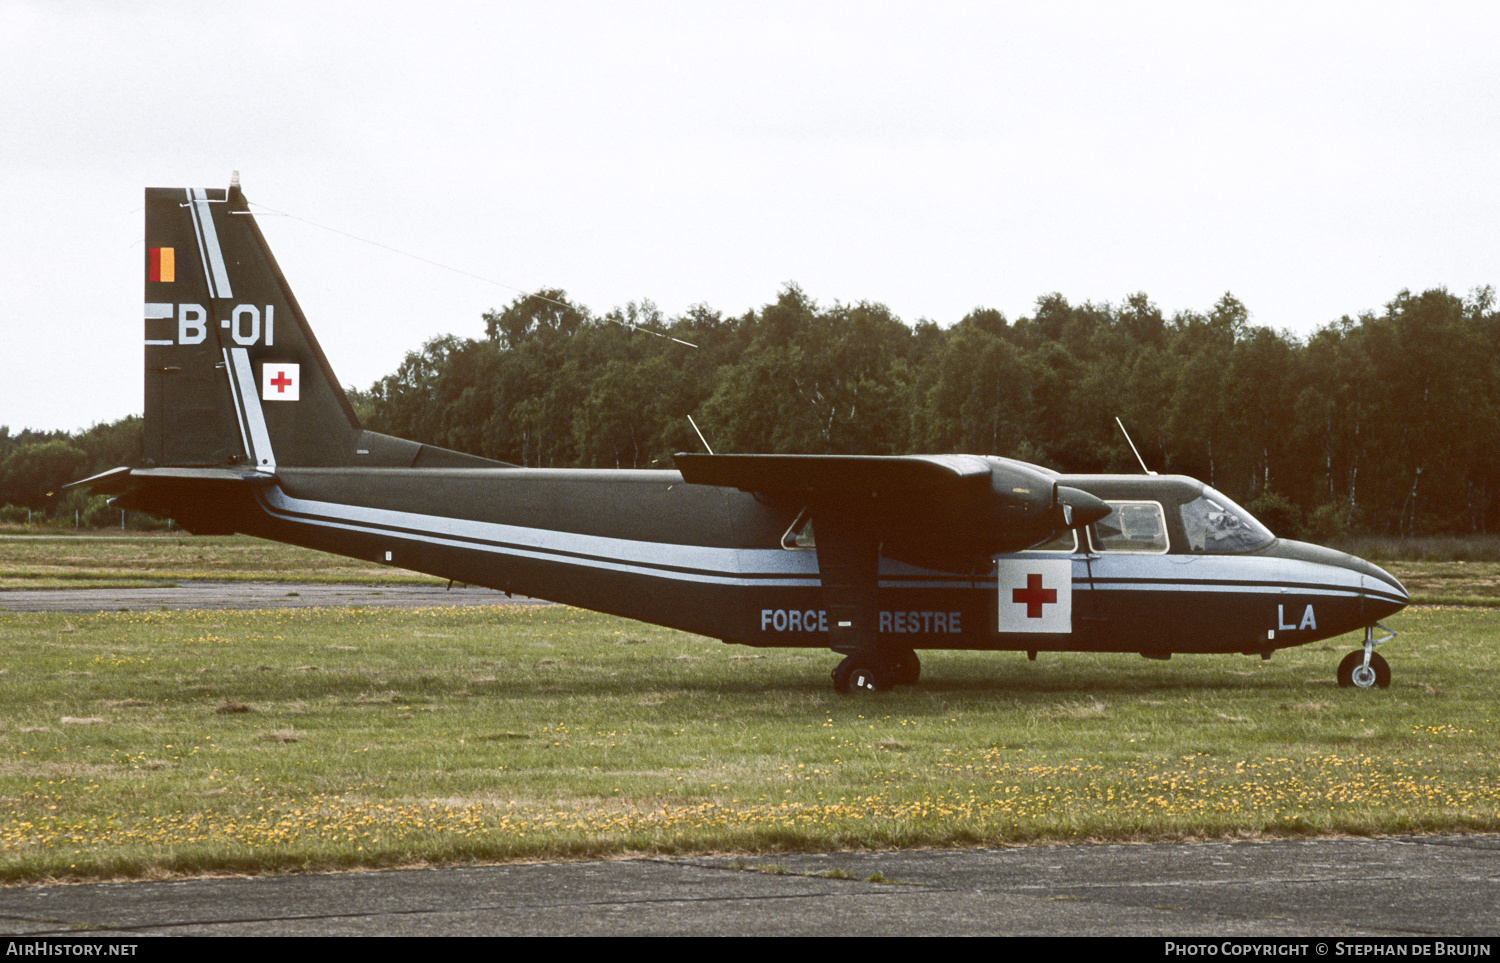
1382, 589
1381, 593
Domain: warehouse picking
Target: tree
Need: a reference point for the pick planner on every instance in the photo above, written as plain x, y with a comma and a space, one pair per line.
31, 473
547, 315
980, 399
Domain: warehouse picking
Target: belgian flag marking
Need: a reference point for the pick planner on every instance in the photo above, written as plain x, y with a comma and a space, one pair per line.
163, 264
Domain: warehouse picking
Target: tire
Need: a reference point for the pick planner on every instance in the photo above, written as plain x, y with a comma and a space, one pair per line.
906, 669
1352, 671
840, 675
865, 676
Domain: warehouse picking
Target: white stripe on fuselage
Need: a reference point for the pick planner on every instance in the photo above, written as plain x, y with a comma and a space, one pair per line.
773, 567
1238, 574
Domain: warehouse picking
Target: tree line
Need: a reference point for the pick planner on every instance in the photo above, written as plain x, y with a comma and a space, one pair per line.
34, 465
1376, 424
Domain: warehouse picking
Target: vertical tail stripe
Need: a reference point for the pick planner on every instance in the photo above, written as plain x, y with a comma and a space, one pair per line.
239, 407
198, 233
247, 407
208, 245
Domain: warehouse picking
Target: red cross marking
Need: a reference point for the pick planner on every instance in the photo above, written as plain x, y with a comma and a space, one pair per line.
281, 381
1033, 596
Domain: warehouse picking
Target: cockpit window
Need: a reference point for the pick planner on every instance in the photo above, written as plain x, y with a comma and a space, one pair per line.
1217, 526
1131, 527
800, 534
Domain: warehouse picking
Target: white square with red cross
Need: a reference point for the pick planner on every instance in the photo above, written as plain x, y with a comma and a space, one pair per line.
1036, 595
279, 382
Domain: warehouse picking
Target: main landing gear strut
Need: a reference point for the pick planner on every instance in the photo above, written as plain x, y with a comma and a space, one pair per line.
876, 671
1364, 667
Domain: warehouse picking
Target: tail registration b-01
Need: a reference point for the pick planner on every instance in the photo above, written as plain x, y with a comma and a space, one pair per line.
876, 558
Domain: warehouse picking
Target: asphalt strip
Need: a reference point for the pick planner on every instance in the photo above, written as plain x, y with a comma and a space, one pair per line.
252, 595
1339, 897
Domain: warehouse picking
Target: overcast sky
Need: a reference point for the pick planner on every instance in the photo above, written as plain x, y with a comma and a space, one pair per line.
1313, 159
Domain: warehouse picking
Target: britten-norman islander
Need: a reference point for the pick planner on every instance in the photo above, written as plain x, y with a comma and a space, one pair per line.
876, 558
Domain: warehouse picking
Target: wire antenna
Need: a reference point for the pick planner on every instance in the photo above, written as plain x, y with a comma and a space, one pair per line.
699, 433
449, 267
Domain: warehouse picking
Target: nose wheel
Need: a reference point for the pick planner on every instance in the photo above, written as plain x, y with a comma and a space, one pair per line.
1364, 668
1354, 672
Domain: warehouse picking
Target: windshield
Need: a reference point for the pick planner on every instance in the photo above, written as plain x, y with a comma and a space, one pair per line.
1217, 526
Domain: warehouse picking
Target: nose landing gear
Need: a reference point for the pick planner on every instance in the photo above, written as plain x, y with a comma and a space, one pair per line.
1363, 668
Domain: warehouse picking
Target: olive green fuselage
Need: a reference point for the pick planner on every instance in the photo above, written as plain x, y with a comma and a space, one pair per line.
710, 560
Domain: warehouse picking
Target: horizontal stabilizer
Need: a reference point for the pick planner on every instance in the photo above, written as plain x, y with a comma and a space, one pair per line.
200, 499
117, 481
110, 482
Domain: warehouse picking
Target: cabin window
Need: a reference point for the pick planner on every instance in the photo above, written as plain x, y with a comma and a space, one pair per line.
1217, 526
1131, 527
800, 534
1066, 541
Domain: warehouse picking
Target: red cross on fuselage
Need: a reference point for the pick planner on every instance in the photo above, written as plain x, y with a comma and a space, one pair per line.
281, 381
1033, 596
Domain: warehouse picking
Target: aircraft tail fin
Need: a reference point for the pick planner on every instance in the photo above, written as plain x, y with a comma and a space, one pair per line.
234, 375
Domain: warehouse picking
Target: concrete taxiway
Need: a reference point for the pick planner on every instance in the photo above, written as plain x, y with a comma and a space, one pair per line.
251, 595
1432, 887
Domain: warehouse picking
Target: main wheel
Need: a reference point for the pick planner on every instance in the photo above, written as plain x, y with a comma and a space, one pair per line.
906, 669
1354, 672
861, 673
865, 676
841, 675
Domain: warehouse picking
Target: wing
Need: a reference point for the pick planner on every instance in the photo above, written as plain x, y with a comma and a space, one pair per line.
832, 474
948, 512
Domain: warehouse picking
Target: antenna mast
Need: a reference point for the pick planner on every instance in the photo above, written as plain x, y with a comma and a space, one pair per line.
1132, 446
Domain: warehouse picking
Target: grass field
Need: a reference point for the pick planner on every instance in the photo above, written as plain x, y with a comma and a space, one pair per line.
203, 742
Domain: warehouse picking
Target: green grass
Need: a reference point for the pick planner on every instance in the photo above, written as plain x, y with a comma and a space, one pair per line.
1449, 582
1432, 548
205, 742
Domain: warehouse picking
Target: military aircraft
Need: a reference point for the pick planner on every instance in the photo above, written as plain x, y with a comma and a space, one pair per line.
876, 558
